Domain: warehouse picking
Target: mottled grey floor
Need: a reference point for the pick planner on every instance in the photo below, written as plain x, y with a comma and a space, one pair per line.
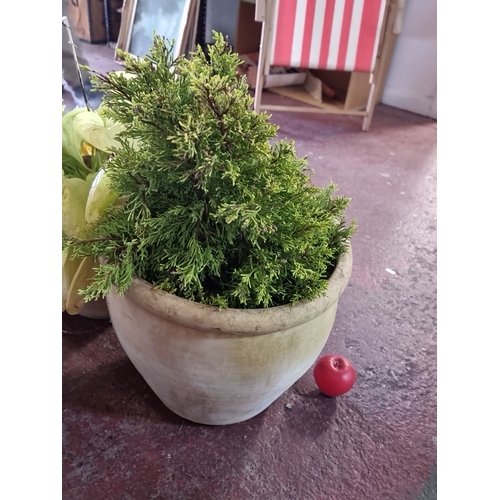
378, 442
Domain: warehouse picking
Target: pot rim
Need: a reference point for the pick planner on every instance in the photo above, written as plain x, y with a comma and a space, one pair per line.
240, 321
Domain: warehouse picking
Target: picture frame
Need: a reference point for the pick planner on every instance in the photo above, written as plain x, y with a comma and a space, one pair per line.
175, 19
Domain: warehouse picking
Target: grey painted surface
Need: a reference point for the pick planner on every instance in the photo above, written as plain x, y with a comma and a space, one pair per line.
222, 16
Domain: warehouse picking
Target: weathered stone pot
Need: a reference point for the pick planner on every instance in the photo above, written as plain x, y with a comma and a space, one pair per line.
224, 366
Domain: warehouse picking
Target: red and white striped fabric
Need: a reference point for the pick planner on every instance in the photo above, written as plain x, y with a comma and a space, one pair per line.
327, 34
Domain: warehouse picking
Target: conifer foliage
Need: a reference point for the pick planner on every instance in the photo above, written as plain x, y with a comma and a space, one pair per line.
214, 208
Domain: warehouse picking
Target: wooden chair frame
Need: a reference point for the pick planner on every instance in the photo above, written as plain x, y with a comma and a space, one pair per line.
264, 13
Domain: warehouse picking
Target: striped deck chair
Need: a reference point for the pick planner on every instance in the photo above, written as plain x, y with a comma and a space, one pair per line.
340, 35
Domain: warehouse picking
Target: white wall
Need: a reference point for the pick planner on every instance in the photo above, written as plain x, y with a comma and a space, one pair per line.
412, 80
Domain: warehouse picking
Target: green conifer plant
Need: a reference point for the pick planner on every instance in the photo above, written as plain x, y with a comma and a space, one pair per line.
215, 209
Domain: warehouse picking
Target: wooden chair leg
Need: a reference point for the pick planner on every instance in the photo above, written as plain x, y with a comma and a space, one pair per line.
370, 106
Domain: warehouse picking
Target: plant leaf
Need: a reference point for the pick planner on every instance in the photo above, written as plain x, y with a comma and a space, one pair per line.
84, 273
86, 149
71, 139
100, 197
69, 268
71, 166
97, 131
74, 199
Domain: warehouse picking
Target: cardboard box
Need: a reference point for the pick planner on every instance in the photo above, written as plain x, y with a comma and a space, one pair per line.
89, 21
278, 77
286, 81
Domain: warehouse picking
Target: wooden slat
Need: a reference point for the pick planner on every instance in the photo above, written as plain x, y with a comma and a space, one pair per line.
298, 109
263, 64
298, 93
128, 15
370, 106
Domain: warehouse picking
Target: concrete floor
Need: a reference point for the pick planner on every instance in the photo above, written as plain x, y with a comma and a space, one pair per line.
378, 442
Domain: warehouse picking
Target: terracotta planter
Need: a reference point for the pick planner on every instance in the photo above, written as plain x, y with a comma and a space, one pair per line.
225, 366
95, 309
